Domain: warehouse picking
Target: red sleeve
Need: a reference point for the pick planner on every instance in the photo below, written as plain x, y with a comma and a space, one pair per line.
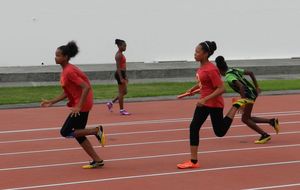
75, 78
215, 78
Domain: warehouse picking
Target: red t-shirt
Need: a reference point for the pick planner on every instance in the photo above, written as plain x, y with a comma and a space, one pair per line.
71, 78
209, 78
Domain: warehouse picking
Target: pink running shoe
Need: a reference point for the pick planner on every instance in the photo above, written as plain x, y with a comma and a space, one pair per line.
124, 112
109, 106
188, 165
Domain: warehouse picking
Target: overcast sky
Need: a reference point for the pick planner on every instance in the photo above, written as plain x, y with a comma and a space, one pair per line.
155, 30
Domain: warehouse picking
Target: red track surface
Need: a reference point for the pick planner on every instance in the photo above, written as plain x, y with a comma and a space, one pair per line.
143, 149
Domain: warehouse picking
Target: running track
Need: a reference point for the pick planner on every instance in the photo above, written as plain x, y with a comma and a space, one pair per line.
143, 150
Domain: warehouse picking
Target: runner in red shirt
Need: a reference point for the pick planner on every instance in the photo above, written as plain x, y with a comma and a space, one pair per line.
211, 101
77, 89
121, 77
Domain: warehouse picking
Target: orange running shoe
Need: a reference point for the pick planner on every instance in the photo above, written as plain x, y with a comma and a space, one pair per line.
187, 165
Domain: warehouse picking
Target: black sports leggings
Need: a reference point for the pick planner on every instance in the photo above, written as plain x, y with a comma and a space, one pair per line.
220, 124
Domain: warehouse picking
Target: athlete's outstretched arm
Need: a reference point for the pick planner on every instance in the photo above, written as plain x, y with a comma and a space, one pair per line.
48, 103
193, 88
253, 78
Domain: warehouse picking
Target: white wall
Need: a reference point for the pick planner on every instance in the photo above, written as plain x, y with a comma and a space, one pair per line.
155, 30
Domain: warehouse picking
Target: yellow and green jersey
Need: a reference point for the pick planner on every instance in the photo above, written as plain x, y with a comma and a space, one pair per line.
237, 74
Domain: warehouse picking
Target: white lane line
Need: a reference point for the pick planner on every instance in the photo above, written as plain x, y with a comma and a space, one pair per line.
112, 134
152, 156
106, 125
288, 113
135, 133
157, 175
137, 144
275, 186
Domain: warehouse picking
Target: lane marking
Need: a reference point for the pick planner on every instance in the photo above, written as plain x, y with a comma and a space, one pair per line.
275, 187
157, 175
139, 143
137, 132
152, 156
288, 113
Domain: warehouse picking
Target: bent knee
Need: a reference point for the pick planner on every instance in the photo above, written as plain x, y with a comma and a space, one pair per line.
63, 133
66, 134
220, 134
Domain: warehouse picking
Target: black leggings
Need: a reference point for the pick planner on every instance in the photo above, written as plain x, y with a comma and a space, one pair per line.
220, 124
73, 123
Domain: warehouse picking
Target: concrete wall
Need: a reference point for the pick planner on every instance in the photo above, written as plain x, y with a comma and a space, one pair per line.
151, 71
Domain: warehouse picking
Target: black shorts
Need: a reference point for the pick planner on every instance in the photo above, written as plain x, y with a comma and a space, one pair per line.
117, 77
72, 123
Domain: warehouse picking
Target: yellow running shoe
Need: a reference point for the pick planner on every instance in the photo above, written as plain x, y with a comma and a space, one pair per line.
101, 136
93, 165
263, 139
275, 124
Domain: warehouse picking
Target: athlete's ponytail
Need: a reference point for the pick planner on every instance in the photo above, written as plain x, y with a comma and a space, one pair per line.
221, 63
209, 46
70, 49
119, 42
